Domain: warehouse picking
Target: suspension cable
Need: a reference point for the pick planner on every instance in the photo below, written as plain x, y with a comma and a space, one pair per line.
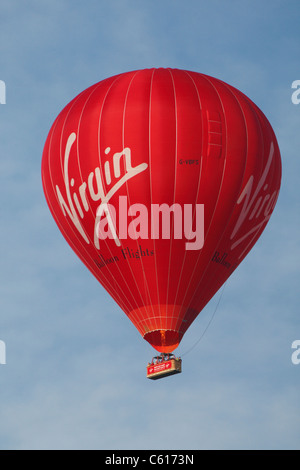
207, 326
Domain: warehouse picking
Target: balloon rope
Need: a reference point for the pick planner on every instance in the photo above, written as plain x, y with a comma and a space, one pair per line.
207, 326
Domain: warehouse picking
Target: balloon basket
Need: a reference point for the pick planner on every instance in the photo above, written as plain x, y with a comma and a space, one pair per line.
164, 365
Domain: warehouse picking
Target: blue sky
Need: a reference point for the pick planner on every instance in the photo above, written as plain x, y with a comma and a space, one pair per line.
74, 376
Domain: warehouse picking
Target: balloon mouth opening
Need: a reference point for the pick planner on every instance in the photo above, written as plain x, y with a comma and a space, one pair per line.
163, 340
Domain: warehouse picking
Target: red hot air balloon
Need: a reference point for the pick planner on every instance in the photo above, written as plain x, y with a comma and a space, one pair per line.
161, 181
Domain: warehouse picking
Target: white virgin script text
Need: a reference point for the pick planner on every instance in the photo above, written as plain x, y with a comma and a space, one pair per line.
255, 205
82, 205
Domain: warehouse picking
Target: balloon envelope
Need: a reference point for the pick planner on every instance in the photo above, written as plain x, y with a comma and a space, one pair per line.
161, 181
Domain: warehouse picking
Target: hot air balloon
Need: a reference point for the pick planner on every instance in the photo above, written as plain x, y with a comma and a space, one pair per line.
161, 181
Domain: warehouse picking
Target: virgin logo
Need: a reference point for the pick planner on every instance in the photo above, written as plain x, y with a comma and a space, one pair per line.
80, 200
258, 204
107, 225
